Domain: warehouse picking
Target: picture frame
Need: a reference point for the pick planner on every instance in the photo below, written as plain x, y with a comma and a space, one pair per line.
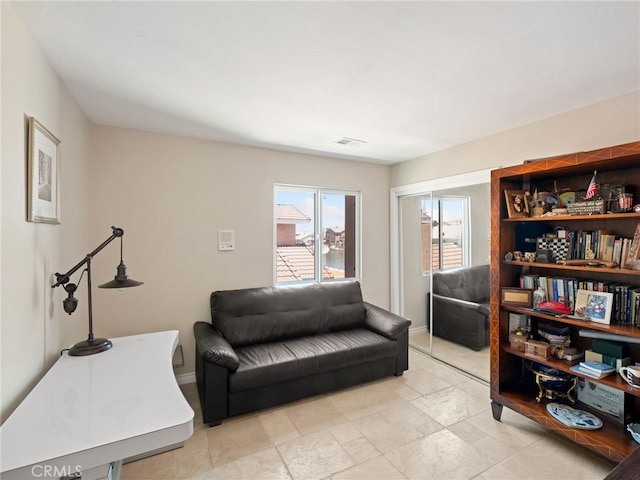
517, 297
43, 165
517, 203
594, 306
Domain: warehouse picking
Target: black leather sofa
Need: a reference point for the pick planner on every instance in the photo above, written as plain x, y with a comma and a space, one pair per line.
461, 306
267, 346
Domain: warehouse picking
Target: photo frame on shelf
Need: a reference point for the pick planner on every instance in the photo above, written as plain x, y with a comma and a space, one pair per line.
517, 203
594, 306
43, 194
517, 297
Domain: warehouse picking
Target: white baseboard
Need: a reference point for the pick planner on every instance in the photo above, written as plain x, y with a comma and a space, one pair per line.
185, 378
416, 330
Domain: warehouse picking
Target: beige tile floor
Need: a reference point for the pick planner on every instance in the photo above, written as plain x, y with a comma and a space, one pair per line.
431, 423
464, 358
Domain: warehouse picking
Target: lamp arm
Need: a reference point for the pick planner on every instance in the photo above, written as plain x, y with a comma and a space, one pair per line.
64, 278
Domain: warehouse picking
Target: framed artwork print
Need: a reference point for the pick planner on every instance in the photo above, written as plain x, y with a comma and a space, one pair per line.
517, 203
43, 202
594, 306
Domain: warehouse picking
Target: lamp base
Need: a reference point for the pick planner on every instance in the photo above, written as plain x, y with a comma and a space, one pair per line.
90, 347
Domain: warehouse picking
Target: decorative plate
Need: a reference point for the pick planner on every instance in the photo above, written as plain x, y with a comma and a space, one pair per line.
634, 430
574, 418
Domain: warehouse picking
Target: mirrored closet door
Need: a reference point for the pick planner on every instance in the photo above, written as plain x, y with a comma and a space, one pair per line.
441, 234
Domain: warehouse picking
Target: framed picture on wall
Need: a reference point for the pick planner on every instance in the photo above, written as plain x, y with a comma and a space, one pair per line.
517, 203
43, 202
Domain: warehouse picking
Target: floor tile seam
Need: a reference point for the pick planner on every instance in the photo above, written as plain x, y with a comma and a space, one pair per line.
420, 439
427, 414
362, 435
286, 466
290, 421
422, 434
380, 454
493, 465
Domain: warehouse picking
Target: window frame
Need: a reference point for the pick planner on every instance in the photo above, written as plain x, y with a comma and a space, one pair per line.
466, 232
318, 231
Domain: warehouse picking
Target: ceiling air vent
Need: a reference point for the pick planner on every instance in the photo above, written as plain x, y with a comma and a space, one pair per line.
351, 142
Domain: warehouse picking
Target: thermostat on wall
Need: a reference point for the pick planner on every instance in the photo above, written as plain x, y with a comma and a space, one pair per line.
226, 240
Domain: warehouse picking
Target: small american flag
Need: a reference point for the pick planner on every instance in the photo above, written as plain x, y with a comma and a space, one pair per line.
593, 187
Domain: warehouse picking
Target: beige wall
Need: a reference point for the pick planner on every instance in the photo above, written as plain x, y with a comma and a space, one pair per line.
172, 195
33, 325
611, 122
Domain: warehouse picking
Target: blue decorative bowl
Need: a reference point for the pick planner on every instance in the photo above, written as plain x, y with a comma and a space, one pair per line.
558, 378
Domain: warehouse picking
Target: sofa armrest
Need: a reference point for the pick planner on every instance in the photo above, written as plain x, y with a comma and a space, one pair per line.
213, 348
477, 307
384, 322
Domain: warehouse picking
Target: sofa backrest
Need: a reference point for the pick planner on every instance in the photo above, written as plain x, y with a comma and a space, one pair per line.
258, 315
470, 284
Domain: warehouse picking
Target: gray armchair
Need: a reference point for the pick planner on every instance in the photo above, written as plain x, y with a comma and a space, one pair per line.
461, 306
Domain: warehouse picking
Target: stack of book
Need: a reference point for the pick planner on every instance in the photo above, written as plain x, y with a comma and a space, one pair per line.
593, 369
612, 353
555, 334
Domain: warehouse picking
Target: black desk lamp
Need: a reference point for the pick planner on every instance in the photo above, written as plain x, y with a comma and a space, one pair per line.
92, 345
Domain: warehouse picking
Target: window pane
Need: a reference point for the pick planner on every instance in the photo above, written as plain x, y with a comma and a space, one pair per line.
295, 236
444, 230
338, 227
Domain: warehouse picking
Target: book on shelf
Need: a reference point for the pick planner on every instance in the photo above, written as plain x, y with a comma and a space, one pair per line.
589, 373
573, 356
555, 339
595, 369
604, 245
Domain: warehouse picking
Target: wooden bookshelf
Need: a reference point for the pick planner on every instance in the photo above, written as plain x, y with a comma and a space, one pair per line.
511, 385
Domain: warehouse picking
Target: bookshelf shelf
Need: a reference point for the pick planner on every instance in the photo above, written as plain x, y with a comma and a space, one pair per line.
559, 266
616, 329
572, 218
612, 380
609, 441
512, 385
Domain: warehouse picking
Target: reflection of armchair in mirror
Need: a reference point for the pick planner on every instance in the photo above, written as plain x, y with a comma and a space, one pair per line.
461, 306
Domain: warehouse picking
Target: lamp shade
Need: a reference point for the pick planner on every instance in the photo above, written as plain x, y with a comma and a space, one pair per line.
121, 280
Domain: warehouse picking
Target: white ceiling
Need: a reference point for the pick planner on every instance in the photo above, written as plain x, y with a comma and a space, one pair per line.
409, 78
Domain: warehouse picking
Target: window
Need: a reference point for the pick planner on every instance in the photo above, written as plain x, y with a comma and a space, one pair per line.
445, 233
306, 218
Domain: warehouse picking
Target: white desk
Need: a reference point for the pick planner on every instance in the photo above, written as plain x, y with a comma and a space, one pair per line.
93, 411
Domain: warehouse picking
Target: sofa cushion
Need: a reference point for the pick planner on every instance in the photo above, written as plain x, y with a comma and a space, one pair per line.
269, 363
259, 315
470, 284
